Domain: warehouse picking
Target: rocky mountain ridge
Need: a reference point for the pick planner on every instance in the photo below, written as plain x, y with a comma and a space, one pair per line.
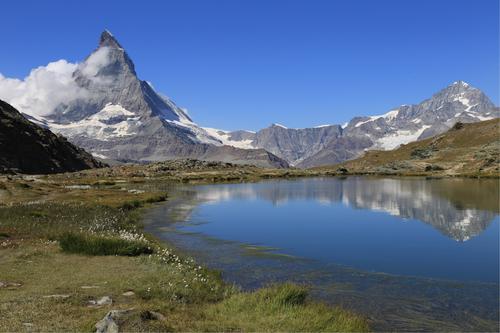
330, 144
117, 116
113, 114
31, 149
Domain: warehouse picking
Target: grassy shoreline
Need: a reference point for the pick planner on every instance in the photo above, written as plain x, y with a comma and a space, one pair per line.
54, 234
68, 240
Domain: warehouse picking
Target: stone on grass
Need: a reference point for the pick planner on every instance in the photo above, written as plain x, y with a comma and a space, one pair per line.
6, 284
60, 296
105, 300
109, 324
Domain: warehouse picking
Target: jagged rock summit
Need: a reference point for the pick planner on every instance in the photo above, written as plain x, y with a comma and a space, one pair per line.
331, 144
31, 149
117, 116
114, 115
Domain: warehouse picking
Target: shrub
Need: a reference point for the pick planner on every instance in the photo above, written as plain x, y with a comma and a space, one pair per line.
433, 167
421, 153
102, 246
458, 125
342, 170
289, 294
159, 198
129, 205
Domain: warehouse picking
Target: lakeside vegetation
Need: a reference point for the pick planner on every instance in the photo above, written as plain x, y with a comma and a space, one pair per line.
72, 249
72, 246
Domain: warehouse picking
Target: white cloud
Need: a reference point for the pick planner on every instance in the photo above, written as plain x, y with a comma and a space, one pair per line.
48, 87
95, 62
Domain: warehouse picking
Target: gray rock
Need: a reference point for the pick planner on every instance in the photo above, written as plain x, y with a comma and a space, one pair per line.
109, 323
105, 300
128, 293
295, 145
309, 147
58, 296
458, 102
153, 128
7, 284
28, 148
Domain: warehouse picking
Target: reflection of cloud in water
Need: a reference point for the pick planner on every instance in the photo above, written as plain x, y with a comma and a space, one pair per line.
424, 200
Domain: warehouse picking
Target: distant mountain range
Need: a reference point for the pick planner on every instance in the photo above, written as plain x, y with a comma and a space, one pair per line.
113, 114
330, 144
31, 149
466, 149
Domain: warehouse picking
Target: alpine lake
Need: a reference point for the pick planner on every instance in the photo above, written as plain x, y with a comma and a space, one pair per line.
410, 254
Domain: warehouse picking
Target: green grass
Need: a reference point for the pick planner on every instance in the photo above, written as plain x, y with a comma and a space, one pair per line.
279, 308
102, 246
93, 238
50, 220
133, 204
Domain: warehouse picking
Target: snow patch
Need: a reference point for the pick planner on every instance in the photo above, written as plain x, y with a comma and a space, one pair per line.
197, 133
400, 137
99, 156
113, 121
224, 137
387, 116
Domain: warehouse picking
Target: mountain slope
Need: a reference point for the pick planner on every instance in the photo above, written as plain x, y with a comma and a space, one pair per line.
102, 106
458, 102
472, 149
116, 116
28, 148
330, 144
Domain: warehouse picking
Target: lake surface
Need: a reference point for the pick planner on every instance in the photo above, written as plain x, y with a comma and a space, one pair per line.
409, 253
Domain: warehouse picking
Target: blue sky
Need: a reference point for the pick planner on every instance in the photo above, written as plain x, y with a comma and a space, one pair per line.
246, 64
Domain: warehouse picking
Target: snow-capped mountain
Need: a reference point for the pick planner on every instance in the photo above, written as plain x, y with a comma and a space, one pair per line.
109, 111
101, 105
329, 144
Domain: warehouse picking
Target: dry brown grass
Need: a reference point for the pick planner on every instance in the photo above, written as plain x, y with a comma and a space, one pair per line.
473, 150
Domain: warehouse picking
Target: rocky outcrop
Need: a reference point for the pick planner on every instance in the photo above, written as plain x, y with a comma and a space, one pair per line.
109, 324
295, 145
31, 149
331, 144
458, 102
116, 116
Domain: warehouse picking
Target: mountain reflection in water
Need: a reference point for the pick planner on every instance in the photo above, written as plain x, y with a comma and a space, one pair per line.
347, 238
458, 208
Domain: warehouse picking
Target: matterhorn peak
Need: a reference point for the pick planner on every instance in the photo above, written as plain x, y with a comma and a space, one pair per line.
107, 39
461, 83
